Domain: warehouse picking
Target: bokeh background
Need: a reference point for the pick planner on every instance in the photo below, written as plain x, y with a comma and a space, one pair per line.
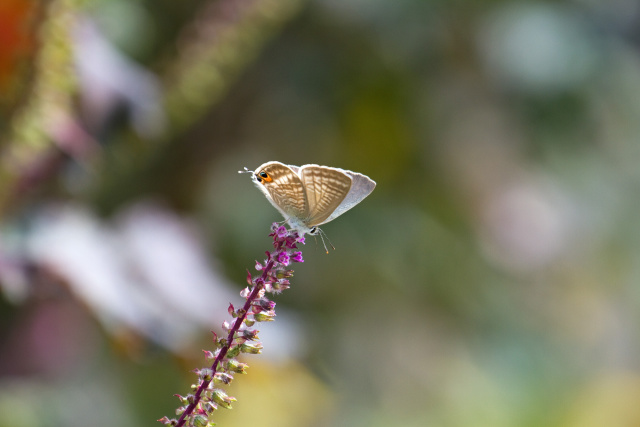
491, 279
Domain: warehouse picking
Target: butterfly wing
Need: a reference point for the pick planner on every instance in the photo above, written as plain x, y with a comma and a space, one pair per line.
361, 187
294, 168
283, 189
325, 190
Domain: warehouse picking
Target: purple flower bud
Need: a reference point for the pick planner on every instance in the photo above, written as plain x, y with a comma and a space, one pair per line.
283, 258
290, 243
282, 232
259, 267
297, 257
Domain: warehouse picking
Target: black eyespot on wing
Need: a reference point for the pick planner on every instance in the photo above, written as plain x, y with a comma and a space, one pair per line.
264, 176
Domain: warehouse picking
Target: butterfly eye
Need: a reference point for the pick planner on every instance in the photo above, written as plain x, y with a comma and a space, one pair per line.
264, 176
313, 230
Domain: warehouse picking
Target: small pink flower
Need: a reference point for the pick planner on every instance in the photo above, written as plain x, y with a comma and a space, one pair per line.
283, 258
282, 231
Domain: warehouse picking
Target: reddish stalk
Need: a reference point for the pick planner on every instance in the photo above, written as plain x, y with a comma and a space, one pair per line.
223, 351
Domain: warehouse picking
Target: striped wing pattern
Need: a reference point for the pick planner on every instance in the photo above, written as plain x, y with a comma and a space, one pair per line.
285, 191
361, 187
325, 189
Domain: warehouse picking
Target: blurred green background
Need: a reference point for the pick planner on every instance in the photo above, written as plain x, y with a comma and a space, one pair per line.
491, 279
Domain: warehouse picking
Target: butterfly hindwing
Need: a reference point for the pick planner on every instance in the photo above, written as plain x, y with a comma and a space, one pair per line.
361, 187
325, 190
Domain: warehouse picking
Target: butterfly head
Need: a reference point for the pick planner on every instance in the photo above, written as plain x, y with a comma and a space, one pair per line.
259, 176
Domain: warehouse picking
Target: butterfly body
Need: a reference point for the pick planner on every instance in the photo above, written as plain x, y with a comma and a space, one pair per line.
311, 195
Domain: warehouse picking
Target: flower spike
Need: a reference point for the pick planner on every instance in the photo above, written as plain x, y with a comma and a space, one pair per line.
197, 407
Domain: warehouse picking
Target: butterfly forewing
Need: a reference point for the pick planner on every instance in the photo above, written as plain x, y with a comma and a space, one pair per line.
285, 190
325, 189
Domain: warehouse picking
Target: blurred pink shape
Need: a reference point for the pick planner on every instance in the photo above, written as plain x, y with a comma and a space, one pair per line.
148, 273
525, 226
110, 80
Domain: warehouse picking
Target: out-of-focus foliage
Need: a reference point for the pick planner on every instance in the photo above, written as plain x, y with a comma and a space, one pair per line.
491, 279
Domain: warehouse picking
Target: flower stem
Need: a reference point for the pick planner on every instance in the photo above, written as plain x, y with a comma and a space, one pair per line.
198, 406
223, 351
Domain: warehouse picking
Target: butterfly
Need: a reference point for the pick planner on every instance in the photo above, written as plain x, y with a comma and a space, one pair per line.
310, 195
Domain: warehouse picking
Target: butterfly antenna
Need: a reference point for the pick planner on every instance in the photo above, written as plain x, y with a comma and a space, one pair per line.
245, 170
322, 236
